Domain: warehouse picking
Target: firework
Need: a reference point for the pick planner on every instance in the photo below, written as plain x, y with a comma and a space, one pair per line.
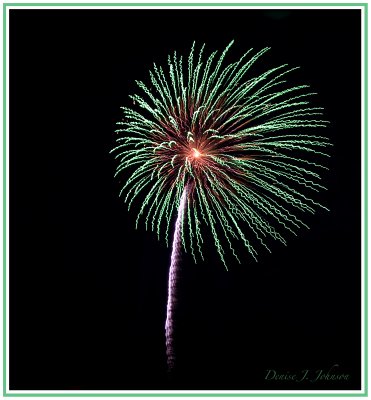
228, 151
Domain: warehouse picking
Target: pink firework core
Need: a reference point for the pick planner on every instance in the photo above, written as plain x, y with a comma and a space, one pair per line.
198, 156
196, 153
194, 144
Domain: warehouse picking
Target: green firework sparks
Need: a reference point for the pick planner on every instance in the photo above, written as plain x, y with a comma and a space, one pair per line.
239, 145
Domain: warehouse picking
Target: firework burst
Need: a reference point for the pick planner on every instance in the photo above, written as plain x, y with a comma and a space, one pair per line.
239, 145
225, 152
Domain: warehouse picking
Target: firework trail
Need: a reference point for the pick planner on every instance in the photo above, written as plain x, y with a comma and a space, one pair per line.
223, 148
173, 282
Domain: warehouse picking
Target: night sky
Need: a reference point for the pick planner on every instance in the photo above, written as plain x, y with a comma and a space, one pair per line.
88, 291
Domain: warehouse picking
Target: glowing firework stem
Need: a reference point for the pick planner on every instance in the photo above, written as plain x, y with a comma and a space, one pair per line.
232, 149
173, 282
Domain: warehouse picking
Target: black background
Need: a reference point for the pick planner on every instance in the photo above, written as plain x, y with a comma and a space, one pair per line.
88, 291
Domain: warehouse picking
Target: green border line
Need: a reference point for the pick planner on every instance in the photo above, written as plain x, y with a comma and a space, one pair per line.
366, 197
365, 166
172, 394
185, 4
4, 199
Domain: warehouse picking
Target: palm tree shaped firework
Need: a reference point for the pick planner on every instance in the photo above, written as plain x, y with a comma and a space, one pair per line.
219, 149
